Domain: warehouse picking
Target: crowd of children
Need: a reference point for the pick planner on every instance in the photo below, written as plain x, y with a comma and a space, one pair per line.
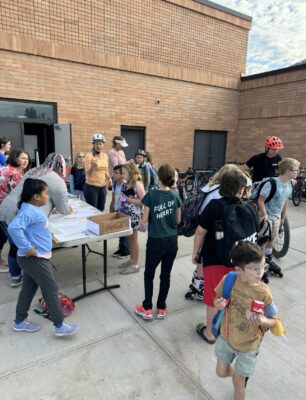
224, 241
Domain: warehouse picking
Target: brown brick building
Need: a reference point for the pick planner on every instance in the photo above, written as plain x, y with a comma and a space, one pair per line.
164, 73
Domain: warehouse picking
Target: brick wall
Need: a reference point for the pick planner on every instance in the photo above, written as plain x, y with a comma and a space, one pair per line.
273, 105
94, 99
175, 33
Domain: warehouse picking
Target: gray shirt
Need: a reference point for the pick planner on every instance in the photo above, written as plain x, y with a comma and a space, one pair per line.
57, 197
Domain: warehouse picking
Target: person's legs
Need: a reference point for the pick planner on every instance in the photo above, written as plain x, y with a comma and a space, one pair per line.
28, 290
154, 255
91, 194
14, 268
3, 240
272, 266
40, 270
239, 386
170, 251
134, 247
101, 198
124, 245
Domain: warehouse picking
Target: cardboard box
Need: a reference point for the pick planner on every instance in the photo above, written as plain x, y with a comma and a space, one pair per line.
108, 223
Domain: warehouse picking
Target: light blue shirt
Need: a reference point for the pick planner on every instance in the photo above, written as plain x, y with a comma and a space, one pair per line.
30, 228
117, 191
276, 204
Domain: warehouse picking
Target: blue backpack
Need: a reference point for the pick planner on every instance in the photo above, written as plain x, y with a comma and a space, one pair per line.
229, 281
227, 288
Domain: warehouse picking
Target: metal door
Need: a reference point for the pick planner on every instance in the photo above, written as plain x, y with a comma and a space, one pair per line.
62, 140
209, 149
135, 137
13, 131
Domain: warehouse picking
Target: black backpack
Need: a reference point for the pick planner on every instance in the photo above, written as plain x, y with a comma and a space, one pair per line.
257, 187
190, 213
240, 222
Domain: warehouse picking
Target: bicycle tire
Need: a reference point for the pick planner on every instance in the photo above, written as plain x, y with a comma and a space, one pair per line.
189, 185
296, 195
282, 241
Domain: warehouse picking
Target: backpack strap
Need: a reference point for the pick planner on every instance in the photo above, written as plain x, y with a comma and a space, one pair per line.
228, 284
227, 289
272, 191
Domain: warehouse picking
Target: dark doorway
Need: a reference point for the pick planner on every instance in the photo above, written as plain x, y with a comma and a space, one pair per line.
13, 131
38, 137
209, 149
135, 137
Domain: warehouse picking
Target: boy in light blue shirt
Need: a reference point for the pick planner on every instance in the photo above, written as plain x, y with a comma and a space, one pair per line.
123, 250
275, 210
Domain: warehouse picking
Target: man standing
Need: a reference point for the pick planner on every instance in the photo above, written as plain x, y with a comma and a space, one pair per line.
264, 165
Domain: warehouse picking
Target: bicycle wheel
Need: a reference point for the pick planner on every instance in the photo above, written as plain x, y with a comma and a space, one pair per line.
189, 185
282, 241
296, 195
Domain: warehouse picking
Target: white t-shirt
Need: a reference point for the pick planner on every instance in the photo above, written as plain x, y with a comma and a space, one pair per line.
213, 193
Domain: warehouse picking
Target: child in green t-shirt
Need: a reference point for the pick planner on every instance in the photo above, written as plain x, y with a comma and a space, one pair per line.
163, 213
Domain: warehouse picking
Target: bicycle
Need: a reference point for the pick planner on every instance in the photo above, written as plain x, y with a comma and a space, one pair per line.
282, 241
197, 179
299, 190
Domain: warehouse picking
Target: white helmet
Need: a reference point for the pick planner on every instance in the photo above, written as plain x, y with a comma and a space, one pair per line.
98, 137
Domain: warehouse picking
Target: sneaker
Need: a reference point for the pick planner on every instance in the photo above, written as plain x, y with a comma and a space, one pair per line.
16, 281
116, 254
273, 267
161, 313
3, 268
125, 264
145, 314
66, 329
131, 269
25, 326
123, 254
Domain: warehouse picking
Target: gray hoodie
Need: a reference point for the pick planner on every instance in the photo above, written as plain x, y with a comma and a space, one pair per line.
57, 197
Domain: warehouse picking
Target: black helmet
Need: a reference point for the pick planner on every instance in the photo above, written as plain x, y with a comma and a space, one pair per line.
140, 152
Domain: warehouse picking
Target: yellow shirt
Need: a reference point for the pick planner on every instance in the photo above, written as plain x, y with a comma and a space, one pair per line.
243, 336
99, 174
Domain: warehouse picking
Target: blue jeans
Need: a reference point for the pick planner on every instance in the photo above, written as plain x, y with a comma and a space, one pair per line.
14, 268
95, 196
123, 244
159, 250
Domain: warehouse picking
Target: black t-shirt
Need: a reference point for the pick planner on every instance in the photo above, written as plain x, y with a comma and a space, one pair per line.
212, 212
79, 177
263, 166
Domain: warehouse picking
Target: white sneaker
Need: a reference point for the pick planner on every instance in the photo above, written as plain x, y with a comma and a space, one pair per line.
126, 264
66, 329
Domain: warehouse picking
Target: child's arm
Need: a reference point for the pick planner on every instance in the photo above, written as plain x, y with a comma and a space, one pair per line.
261, 320
199, 237
16, 230
283, 213
111, 207
140, 192
262, 208
220, 303
146, 212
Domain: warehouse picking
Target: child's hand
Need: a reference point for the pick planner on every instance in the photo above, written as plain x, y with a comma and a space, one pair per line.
93, 164
31, 252
220, 303
258, 319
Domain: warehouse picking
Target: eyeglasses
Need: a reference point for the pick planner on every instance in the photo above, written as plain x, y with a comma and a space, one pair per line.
295, 170
256, 270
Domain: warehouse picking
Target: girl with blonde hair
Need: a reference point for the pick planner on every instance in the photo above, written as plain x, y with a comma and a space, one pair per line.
132, 193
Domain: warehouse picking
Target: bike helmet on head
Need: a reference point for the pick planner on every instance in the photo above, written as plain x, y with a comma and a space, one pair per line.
274, 142
98, 137
140, 152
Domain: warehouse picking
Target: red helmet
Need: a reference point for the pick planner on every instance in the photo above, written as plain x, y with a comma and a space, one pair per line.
274, 142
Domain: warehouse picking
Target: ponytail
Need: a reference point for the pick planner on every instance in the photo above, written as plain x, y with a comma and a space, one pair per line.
30, 188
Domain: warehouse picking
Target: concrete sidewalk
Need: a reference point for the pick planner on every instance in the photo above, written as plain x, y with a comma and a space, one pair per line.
116, 355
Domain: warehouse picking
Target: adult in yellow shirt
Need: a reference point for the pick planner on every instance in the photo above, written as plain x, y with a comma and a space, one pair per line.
97, 175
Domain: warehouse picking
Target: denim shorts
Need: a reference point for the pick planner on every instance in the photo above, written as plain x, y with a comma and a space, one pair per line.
245, 362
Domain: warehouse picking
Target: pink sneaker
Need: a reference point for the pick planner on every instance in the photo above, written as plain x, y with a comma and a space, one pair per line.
161, 313
145, 314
